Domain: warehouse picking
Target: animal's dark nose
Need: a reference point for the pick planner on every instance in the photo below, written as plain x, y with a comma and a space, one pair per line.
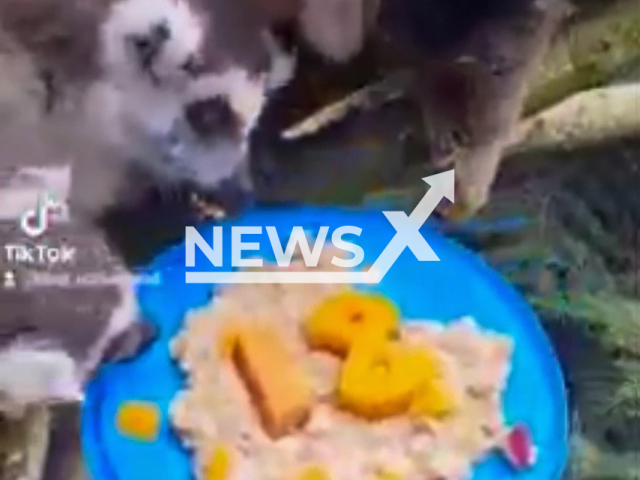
211, 117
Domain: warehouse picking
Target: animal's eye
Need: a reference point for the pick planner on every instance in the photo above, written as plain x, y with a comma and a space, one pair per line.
142, 44
161, 32
193, 66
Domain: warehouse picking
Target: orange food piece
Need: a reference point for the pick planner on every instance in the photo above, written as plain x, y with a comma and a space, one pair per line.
278, 387
220, 464
381, 378
337, 323
139, 421
377, 379
434, 399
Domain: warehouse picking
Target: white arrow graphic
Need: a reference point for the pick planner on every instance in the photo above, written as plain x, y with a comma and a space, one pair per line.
407, 235
408, 228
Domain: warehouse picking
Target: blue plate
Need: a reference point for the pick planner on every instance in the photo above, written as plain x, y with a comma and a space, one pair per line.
459, 285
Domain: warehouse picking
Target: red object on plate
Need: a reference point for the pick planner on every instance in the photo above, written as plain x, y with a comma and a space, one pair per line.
519, 449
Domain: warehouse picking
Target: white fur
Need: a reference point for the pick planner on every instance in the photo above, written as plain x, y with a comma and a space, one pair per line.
283, 65
134, 101
130, 116
33, 373
138, 17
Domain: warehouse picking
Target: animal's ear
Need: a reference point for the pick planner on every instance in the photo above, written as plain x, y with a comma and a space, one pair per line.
279, 11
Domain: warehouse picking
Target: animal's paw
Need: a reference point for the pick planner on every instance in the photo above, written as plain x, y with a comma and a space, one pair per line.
126, 333
33, 373
468, 203
206, 210
443, 145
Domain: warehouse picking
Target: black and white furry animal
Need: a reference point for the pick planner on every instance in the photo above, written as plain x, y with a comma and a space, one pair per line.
175, 85
172, 86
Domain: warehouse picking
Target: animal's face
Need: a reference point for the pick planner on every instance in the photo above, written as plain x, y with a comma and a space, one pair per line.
194, 75
209, 142
154, 42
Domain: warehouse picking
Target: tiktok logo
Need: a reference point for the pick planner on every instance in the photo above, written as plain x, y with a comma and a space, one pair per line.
36, 221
